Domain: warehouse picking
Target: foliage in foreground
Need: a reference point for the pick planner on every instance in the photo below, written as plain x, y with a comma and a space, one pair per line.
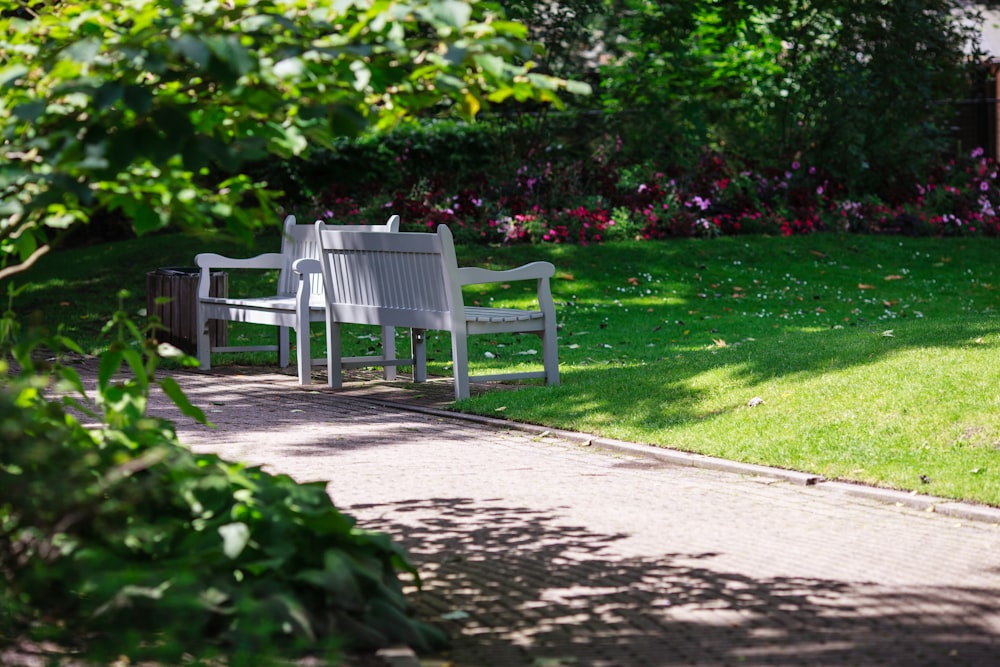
116, 535
117, 540
151, 114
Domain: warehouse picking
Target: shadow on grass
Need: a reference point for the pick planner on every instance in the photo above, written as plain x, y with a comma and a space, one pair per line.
664, 392
512, 586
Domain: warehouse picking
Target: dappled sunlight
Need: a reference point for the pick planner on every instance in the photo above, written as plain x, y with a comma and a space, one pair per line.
514, 585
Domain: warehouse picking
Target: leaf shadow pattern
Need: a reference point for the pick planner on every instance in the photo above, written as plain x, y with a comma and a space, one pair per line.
513, 586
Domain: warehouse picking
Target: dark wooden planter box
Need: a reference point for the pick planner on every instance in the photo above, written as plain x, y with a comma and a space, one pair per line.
179, 315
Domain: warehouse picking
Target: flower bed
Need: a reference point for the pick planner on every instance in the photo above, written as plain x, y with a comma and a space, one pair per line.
601, 200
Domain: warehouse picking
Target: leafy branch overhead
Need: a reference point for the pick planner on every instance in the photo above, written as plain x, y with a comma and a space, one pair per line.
153, 110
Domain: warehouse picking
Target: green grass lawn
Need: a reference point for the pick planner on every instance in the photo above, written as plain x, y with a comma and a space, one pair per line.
877, 358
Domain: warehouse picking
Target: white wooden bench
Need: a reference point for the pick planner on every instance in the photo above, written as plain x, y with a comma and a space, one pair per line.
413, 280
297, 303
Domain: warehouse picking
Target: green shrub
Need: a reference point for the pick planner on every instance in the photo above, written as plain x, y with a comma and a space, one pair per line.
117, 540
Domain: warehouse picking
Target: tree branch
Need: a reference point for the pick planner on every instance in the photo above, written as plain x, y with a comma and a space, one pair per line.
26, 264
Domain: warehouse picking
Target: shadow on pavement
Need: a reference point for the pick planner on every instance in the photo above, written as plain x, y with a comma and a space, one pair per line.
512, 586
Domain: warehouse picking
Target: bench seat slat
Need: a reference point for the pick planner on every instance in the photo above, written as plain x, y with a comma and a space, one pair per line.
265, 302
481, 314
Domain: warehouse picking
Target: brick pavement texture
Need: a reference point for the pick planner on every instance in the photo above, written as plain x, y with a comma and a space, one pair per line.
537, 551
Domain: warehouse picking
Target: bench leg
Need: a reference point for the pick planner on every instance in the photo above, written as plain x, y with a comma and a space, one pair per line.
389, 352
283, 345
204, 342
550, 352
303, 353
460, 363
418, 346
334, 370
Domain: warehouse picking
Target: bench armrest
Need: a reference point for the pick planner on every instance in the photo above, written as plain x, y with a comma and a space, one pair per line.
478, 276
268, 260
306, 265
207, 261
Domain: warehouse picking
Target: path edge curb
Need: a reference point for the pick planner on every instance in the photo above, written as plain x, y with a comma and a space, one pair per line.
926, 503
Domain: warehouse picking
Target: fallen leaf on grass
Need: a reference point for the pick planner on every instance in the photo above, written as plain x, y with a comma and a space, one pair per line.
718, 342
887, 333
632, 281
865, 286
894, 277
500, 409
566, 276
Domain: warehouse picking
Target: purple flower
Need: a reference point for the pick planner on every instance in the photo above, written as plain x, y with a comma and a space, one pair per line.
984, 186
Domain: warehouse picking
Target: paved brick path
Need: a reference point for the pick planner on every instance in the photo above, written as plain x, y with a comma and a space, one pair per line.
537, 551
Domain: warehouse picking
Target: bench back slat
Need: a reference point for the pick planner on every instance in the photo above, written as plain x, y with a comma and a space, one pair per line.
299, 241
394, 279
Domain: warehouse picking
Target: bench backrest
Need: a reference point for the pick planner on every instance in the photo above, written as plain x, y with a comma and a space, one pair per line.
299, 242
404, 280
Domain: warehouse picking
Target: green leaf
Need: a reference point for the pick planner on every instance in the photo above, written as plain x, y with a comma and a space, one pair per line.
70, 380
492, 65
180, 399
135, 362
145, 219
337, 578
30, 111
192, 48
452, 12
109, 364
83, 51
11, 74
228, 50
